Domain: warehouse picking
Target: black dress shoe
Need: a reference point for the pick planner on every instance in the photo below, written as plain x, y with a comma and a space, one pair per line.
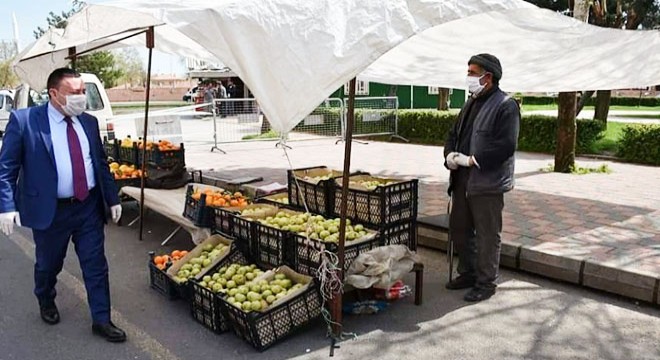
109, 331
49, 314
461, 282
479, 294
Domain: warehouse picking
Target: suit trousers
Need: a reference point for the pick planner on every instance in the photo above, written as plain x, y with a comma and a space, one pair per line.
475, 226
82, 223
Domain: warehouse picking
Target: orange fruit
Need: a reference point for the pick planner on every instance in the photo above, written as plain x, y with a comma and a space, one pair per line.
238, 194
184, 253
158, 260
233, 202
176, 253
161, 266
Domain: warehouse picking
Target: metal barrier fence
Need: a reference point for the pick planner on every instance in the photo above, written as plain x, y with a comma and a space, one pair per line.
236, 120
374, 116
325, 121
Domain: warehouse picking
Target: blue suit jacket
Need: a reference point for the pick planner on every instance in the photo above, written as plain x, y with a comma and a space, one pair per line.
28, 175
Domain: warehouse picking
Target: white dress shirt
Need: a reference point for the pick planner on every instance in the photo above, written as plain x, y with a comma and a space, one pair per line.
61, 152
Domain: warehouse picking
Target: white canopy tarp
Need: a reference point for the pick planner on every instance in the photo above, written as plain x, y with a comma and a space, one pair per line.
292, 54
97, 25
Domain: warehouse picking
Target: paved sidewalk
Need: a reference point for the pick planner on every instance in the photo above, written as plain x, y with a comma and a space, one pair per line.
597, 230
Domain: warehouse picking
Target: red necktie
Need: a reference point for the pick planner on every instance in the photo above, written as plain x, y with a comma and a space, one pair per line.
80, 190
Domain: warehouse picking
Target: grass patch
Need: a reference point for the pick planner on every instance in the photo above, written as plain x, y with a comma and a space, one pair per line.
608, 144
271, 134
579, 170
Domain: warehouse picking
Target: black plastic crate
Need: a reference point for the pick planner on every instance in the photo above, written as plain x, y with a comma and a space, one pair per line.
195, 210
269, 245
128, 154
111, 148
242, 230
205, 305
264, 329
377, 208
165, 158
306, 256
403, 233
314, 195
161, 282
222, 220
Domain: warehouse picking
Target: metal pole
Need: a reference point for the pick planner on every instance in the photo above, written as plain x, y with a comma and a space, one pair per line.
337, 297
150, 46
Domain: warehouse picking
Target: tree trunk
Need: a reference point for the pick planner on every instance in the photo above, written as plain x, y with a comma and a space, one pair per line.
583, 100
443, 99
566, 130
265, 125
602, 105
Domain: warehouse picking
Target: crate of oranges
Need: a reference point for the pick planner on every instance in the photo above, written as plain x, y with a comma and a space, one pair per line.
202, 200
158, 265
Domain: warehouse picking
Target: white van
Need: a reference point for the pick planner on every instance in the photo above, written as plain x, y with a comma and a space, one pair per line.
98, 103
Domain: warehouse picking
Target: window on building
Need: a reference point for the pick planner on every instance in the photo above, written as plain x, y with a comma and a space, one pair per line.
361, 87
434, 90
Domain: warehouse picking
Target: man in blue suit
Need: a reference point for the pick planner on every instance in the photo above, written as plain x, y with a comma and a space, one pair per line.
54, 178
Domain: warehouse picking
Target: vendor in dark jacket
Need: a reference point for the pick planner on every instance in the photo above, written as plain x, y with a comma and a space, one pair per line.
479, 151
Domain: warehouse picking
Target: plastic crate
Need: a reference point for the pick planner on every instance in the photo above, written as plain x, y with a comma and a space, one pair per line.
205, 305
264, 329
166, 158
161, 282
380, 207
306, 257
314, 195
111, 148
242, 230
194, 210
222, 220
403, 233
128, 154
269, 245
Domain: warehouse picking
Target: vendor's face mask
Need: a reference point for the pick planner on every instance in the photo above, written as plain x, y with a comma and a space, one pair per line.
474, 84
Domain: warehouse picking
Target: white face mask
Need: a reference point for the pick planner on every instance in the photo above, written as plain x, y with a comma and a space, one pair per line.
474, 84
75, 104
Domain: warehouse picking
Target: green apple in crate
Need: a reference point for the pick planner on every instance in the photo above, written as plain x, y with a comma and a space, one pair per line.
195, 265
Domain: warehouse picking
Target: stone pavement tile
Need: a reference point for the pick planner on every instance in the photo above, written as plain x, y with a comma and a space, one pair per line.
630, 272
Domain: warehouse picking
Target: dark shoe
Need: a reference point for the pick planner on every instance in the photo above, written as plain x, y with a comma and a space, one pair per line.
109, 331
479, 294
49, 314
461, 282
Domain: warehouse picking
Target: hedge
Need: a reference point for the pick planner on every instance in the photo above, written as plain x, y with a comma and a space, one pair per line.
620, 101
537, 133
640, 143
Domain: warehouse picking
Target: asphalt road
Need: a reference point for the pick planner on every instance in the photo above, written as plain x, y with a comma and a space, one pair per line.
529, 318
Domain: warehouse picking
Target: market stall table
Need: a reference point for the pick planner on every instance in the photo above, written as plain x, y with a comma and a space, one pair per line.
169, 203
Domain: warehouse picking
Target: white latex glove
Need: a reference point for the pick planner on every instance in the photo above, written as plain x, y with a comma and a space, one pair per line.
451, 164
463, 160
116, 212
7, 221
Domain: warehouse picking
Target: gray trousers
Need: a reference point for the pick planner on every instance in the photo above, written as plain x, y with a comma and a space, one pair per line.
475, 226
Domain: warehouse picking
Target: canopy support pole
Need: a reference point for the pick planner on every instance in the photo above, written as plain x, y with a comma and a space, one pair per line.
150, 46
73, 56
336, 304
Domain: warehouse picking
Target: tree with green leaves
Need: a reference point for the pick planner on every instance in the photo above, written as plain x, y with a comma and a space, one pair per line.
100, 63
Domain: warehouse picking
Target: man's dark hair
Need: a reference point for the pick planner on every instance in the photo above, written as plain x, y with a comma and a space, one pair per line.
57, 75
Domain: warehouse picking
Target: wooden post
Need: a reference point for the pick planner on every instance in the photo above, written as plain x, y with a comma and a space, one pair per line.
150, 46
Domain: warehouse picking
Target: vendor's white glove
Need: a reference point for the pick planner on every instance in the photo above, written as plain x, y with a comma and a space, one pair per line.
7, 221
116, 213
451, 164
463, 160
